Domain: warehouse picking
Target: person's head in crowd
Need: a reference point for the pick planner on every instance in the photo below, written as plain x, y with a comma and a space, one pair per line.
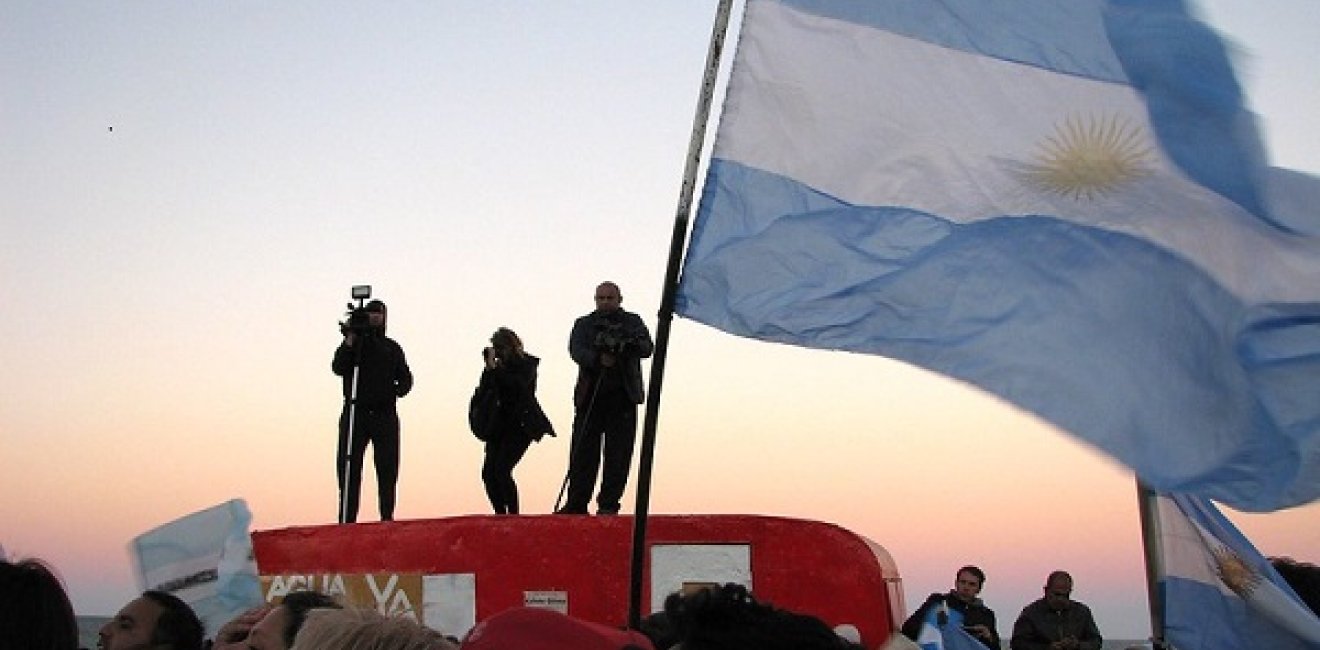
156, 620
355, 628
658, 629
1303, 577
729, 618
967, 583
1058, 590
536, 628
35, 612
277, 629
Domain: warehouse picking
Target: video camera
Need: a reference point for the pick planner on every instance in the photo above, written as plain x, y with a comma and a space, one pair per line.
611, 336
357, 319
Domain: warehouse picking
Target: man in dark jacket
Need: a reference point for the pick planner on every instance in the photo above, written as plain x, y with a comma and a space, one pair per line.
958, 607
607, 345
1056, 621
382, 377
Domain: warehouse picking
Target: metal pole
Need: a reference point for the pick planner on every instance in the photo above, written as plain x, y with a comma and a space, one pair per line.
575, 441
1150, 542
666, 314
351, 430
348, 436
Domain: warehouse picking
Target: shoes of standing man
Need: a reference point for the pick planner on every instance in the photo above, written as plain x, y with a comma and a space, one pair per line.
600, 512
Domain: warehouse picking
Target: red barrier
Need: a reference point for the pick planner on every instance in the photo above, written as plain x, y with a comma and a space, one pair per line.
452, 572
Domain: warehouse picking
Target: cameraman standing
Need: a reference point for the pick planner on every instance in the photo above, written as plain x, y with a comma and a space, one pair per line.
383, 377
608, 345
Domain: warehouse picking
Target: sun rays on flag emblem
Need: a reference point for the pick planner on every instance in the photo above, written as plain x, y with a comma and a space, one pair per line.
1087, 157
1236, 573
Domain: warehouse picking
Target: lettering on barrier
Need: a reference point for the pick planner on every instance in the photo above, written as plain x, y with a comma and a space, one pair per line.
392, 594
553, 600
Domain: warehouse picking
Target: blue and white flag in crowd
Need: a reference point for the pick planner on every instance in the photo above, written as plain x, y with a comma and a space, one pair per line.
946, 634
206, 560
1063, 203
931, 637
956, 638
1219, 593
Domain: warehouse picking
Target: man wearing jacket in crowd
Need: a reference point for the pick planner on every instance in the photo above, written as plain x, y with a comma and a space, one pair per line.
607, 345
1056, 621
961, 606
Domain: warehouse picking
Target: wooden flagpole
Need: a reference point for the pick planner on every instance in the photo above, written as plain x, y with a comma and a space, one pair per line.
666, 314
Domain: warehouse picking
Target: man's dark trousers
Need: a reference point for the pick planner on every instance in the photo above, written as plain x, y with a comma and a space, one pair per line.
380, 427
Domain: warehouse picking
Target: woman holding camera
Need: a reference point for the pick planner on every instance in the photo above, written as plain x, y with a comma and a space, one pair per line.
517, 421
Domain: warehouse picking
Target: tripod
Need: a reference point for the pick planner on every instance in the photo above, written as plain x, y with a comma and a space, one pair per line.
348, 437
575, 444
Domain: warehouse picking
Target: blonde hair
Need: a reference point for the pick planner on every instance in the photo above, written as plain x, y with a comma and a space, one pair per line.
357, 628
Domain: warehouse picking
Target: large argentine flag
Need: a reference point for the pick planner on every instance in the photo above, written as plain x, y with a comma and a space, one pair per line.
1060, 202
1219, 593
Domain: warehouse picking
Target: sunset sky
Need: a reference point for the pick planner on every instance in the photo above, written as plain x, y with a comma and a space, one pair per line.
188, 190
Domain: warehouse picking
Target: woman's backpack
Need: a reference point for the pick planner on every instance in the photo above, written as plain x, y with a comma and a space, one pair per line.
484, 409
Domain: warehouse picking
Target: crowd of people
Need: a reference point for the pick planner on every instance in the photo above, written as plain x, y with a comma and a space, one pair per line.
1053, 622
36, 614
607, 345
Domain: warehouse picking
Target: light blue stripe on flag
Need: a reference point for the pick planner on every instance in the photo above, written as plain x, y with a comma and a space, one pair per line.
1064, 206
1218, 592
956, 638
950, 636
933, 634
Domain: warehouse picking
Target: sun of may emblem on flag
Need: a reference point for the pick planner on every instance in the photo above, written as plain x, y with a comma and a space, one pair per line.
1236, 573
1089, 156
